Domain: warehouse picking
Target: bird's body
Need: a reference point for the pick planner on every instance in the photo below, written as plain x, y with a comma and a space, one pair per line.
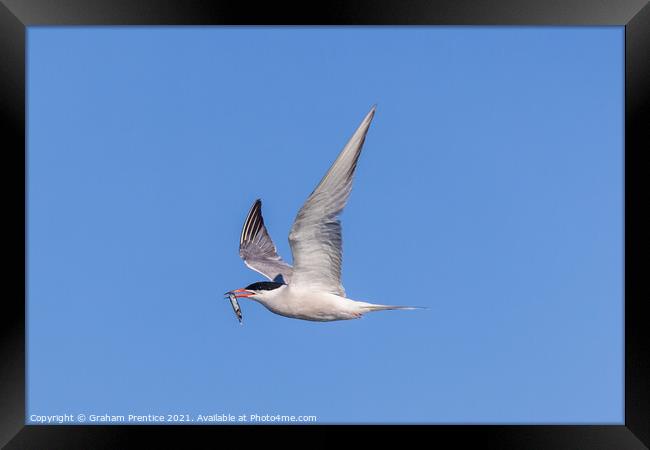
303, 303
306, 304
311, 289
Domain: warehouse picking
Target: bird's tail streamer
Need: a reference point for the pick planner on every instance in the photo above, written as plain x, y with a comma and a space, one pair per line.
391, 307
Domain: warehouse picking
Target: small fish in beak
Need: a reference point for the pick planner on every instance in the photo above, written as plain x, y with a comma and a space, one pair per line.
235, 305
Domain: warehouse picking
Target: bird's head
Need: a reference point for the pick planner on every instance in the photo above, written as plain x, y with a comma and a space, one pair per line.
256, 291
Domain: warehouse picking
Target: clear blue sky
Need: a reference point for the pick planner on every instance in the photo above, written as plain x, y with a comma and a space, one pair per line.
490, 189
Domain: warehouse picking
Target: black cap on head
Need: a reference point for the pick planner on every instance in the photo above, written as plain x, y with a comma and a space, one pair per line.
263, 286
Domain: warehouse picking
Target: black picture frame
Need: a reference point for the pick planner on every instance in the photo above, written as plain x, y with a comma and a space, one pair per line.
634, 15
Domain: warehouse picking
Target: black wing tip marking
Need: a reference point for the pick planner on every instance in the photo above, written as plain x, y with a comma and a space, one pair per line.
253, 223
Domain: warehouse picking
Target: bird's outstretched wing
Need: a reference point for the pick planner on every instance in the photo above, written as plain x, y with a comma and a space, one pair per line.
257, 249
315, 236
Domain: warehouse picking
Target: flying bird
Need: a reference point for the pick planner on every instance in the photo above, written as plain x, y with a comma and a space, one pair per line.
311, 289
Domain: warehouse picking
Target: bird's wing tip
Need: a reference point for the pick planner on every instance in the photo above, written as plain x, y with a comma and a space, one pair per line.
369, 116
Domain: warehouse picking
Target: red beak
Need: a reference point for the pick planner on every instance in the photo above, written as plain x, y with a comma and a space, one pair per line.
242, 293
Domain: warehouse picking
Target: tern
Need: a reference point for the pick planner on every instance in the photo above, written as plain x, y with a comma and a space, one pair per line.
311, 289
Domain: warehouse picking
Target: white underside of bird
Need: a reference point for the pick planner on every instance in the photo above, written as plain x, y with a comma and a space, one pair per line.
306, 304
311, 289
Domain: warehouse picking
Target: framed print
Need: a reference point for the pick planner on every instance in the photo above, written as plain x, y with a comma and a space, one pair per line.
488, 160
